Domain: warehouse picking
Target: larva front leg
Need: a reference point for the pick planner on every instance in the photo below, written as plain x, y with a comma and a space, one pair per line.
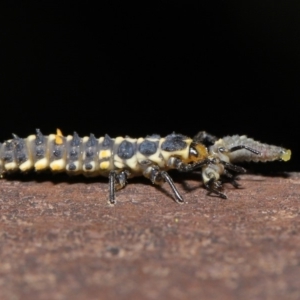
211, 175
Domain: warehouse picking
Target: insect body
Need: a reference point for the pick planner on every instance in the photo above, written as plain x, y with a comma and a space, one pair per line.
124, 157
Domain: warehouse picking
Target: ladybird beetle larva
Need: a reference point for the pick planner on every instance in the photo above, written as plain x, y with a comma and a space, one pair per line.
124, 157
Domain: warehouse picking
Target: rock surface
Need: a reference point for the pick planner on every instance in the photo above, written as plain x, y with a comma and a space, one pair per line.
60, 239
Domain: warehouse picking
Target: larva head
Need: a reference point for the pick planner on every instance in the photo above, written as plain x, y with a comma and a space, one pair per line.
237, 148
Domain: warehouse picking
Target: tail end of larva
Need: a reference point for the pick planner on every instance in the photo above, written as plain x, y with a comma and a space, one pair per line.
286, 155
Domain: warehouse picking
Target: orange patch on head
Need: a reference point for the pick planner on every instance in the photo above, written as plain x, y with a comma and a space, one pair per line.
202, 153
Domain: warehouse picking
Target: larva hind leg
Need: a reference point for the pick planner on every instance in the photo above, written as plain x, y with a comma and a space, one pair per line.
117, 180
158, 176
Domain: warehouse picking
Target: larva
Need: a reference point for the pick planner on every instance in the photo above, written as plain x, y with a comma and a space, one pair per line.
124, 157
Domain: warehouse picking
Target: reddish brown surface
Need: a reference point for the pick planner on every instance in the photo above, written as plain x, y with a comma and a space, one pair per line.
63, 241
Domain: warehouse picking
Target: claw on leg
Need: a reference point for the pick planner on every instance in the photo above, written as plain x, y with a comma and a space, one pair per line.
214, 186
231, 179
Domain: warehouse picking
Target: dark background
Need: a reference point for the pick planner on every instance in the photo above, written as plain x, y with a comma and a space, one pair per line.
227, 67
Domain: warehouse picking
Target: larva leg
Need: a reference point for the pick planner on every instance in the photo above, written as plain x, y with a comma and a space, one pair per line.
112, 189
214, 186
170, 181
157, 176
212, 174
211, 178
235, 168
231, 179
121, 179
116, 181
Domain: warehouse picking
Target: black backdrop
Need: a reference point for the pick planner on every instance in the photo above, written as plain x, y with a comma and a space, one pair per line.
222, 66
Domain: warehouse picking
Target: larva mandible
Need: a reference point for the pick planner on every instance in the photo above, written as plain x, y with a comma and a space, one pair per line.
124, 157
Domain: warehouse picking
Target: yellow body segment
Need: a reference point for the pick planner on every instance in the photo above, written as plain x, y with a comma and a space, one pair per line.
58, 165
105, 165
104, 154
10, 166
41, 164
26, 166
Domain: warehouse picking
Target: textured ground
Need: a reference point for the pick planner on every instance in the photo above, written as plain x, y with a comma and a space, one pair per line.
60, 239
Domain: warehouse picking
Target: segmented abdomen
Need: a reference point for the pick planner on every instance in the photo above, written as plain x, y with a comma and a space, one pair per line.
267, 152
90, 156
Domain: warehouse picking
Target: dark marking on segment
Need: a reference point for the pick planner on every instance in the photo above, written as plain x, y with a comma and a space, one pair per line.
75, 148
72, 167
40, 153
57, 152
75, 140
73, 154
39, 138
88, 166
126, 150
92, 141
20, 149
148, 148
107, 142
174, 142
8, 152
89, 152
90, 149
40, 145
